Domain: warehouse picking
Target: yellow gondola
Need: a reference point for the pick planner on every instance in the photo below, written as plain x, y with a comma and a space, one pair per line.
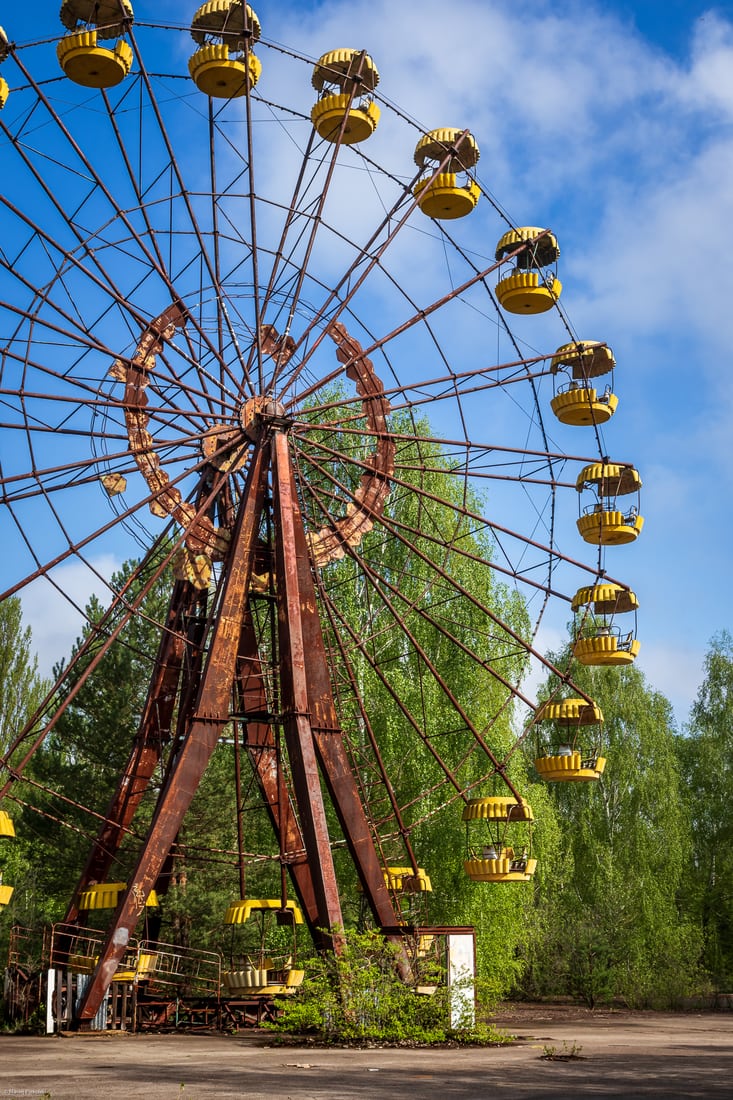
578, 402
452, 192
106, 895
600, 641
345, 109
7, 829
81, 57
224, 66
408, 880
528, 289
603, 523
260, 973
493, 854
561, 755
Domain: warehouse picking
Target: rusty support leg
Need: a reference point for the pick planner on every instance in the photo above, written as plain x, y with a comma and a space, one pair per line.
327, 736
296, 649
262, 750
210, 715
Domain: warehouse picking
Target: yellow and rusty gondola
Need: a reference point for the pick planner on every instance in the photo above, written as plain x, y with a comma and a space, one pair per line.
224, 66
578, 401
533, 285
569, 735
498, 840
446, 188
345, 110
255, 969
80, 55
597, 638
604, 522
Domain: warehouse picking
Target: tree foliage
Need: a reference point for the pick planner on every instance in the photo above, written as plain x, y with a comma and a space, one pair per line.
635, 878
22, 692
612, 920
706, 754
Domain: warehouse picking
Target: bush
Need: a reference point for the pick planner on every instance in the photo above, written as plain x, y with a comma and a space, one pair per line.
357, 995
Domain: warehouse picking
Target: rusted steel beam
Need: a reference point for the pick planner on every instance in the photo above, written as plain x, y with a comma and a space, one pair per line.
262, 750
295, 605
313, 682
206, 721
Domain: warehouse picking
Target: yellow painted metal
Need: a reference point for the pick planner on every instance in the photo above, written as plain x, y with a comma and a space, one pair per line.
339, 68
606, 649
609, 479
6, 893
444, 197
522, 292
217, 74
497, 808
218, 16
133, 968
258, 981
194, 568
251, 978
581, 406
605, 599
500, 870
609, 528
105, 895
452, 193
570, 768
329, 112
573, 712
240, 911
585, 358
90, 65
82, 964
4, 92
109, 16
460, 147
146, 964
407, 880
114, 484
545, 250
6, 824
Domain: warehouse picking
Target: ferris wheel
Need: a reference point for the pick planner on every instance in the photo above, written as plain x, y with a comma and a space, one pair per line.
253, 334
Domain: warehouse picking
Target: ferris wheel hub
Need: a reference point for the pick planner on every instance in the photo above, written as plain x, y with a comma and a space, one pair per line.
261, 410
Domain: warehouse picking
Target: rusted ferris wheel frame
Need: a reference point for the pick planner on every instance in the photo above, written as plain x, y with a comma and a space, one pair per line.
250, 427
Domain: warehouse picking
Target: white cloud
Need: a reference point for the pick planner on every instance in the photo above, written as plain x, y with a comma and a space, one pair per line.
628, 154
54, 611
711, 73
676, 672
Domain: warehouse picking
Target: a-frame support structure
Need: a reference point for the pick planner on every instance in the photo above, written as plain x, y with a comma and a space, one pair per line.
230, 680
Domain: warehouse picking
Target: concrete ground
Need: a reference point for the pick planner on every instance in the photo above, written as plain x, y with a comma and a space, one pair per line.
612, 1054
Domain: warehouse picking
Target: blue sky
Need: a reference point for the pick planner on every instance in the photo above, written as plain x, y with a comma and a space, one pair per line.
613, 125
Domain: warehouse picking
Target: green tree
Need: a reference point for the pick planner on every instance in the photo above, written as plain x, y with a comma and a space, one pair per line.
22, 691
21, 685
706, 755
78, 766
422, 608
609, 906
